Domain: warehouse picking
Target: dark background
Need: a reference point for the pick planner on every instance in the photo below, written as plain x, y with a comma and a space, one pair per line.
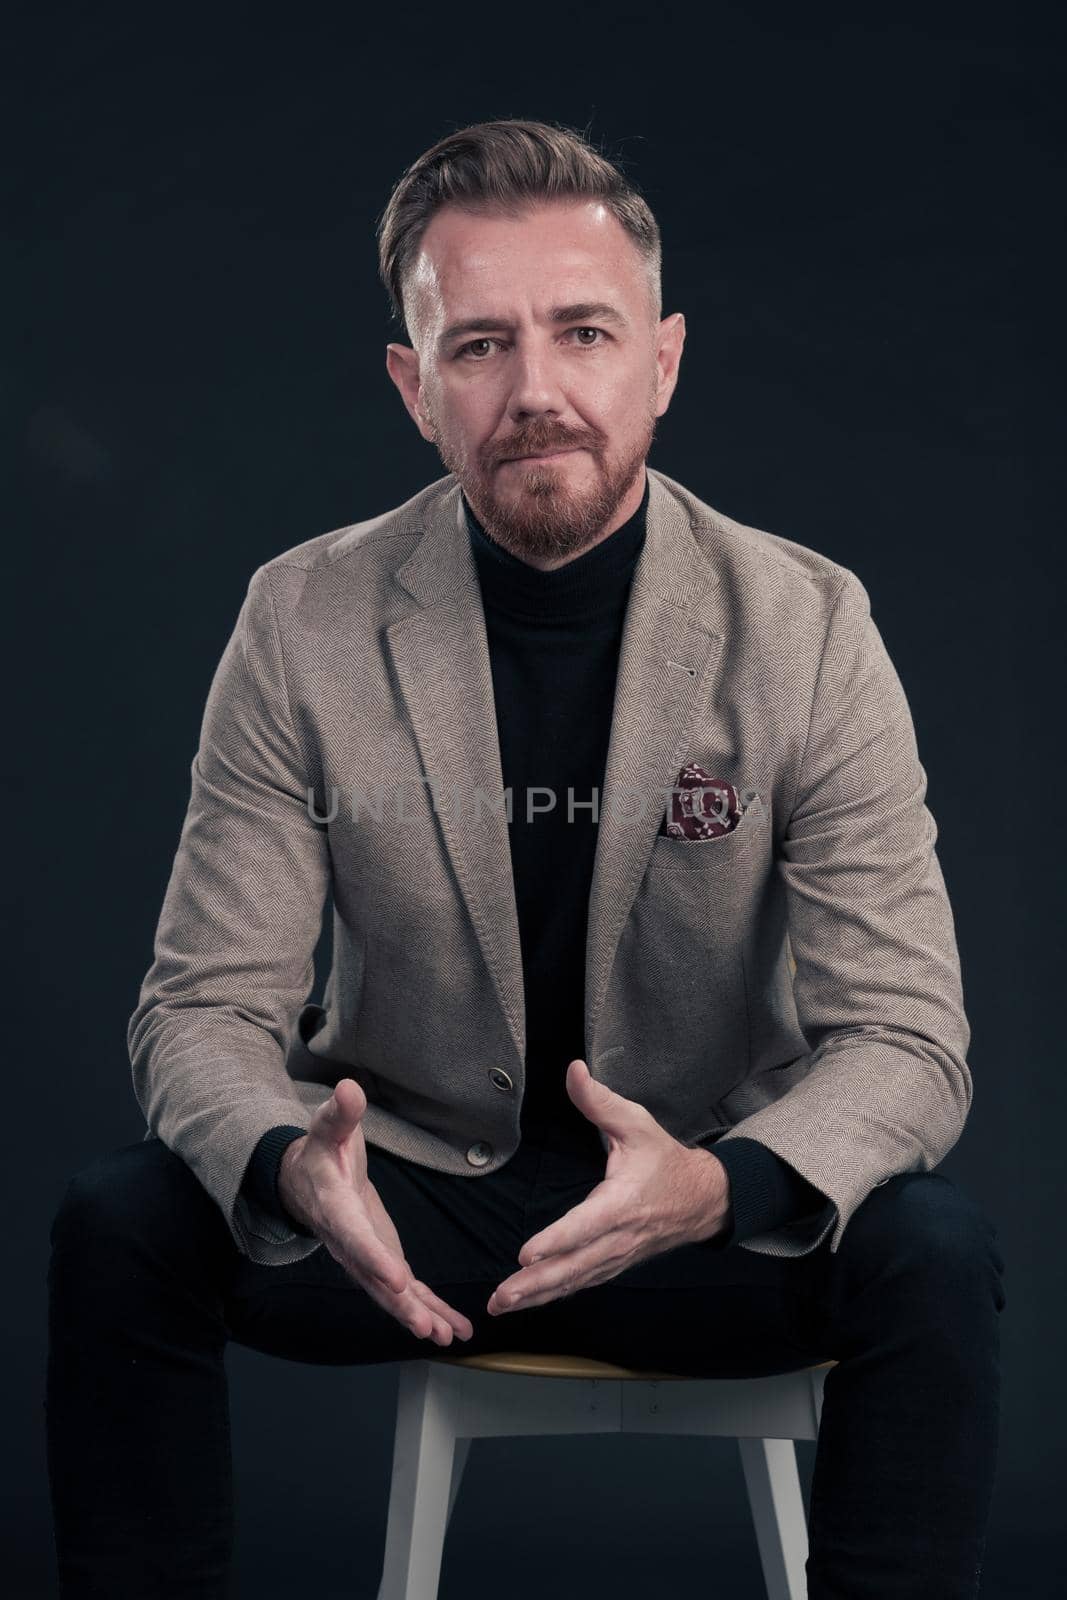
862, 223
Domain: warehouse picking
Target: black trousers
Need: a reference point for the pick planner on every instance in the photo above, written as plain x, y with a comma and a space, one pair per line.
146, 1287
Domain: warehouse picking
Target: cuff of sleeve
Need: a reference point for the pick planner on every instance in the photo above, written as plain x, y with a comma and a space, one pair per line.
260, 1182
765, 1191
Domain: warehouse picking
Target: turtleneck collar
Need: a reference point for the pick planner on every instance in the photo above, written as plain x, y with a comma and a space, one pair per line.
595, 581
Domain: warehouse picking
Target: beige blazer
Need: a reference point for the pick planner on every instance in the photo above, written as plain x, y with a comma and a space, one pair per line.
358, 669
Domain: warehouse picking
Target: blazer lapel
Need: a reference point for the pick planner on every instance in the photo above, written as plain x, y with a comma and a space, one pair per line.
441, 656
668, 656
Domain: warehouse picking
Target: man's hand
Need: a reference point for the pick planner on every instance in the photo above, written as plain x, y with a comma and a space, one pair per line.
323, 1183
656, 1194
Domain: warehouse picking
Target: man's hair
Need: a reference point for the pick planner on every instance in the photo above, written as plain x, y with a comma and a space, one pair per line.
503, 167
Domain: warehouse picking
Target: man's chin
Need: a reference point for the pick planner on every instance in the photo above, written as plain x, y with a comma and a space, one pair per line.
543, 516
543, 540
534, 516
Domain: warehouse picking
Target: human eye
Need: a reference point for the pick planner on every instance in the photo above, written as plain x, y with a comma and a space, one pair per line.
466, 351
590, 330
470, 345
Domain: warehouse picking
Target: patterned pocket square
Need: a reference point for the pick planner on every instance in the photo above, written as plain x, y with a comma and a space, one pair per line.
702, 807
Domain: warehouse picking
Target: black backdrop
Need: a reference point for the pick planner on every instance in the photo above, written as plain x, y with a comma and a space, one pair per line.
862, 224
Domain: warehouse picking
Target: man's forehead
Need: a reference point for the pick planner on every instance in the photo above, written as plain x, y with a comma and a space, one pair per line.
485, 266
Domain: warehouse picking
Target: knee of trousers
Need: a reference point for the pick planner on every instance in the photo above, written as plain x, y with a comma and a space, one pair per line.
921, 1230
137, 1193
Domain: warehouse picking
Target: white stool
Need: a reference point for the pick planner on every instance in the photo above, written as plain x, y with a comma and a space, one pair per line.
446, 1401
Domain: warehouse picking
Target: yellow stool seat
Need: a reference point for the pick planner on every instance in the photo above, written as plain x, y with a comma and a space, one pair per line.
536, 1365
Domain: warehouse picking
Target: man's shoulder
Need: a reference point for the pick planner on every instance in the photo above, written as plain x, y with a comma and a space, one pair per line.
374, 537
753, 560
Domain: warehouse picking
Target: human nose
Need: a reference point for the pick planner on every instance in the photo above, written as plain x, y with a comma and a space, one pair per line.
535, 385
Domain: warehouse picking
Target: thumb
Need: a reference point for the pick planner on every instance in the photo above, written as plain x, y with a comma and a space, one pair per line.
612, 1113
339, 1116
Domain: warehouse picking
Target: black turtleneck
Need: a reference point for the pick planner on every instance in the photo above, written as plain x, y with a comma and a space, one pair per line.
554, 642
554, 646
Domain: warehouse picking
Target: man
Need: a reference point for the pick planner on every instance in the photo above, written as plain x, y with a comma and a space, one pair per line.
644, 1030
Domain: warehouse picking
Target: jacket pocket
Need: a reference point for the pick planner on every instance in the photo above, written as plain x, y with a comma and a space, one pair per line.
699, 855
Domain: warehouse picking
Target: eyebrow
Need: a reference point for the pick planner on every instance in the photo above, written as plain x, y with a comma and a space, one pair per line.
580, 311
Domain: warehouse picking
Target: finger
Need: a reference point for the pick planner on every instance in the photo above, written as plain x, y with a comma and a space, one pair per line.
426, 1324
392, 1285
563, 1276
406, 1306
612, 1113
409, 1310
383, 1225
461, 1324
601, 1213
338, 1117
441, 1328
385, 1231
557, 1291
360, 1245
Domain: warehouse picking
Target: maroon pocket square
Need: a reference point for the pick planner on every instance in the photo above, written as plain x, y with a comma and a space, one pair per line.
701, 807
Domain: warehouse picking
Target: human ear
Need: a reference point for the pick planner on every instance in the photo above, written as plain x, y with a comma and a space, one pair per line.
402, 364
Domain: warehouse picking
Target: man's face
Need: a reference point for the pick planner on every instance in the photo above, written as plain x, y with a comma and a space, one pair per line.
527, 380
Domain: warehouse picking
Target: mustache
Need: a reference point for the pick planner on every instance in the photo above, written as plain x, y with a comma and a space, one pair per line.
537, 447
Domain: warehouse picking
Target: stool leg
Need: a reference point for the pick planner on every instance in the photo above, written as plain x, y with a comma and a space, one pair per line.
421, 1493
777, 1505
459, 1461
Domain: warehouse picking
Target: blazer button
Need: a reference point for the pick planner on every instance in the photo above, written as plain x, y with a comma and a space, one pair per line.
500, 1078
480, 1153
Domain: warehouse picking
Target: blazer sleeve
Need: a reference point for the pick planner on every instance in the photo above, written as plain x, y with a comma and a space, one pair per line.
877, 987
235, 942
